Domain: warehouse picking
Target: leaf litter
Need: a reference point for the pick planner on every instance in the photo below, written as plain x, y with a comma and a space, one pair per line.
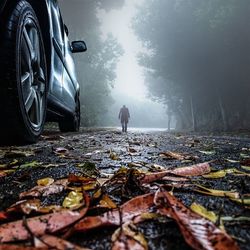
166, 189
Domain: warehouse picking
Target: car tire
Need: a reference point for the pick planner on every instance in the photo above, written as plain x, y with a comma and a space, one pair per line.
23, 76
72, 124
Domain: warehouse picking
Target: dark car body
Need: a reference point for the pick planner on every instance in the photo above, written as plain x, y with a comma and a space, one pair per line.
63, 87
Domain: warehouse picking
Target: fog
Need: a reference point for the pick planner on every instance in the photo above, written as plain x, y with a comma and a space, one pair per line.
174, 63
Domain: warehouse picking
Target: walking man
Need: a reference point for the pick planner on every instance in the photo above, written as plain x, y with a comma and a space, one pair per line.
124, 117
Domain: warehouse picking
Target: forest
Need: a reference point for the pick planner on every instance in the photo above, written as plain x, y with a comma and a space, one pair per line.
197, 60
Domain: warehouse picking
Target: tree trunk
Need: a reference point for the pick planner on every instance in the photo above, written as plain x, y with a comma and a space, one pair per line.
194, 124
222, 111
169, 121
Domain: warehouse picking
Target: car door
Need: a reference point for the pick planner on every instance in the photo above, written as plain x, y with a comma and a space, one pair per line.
56, 88
69, 74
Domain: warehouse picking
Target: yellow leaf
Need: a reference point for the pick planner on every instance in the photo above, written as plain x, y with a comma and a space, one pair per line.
232, 161
246, 168
113, 156
216, 192
73, 200
97, 194
217, 174
241, 201
107, 202
30, 164
199, 209
212, 152
45, 181
222, 173
129, 230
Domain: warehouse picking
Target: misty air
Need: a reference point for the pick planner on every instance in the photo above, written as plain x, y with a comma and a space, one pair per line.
125, 124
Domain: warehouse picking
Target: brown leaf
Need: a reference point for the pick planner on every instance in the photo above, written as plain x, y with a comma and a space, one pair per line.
194, 170
128, 211
37, 191
39, 225
16, 247
56, 243
128, 237
178, 156
198, 232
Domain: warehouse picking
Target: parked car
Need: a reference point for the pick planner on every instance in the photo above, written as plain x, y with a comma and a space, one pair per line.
37, 75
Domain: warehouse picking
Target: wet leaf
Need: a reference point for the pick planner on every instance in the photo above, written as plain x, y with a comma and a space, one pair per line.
194, 170
128, 211
18, 154
198, 232
113, 156
239, 219
55, 243
246, 168
212, 152
30, 164
41, 225
241, 201
216, 192
245, 156
199, 209
89, 168
177, 156
217, 174
81, 179
107, 202
37, 191
128, 237
45, 181
28, 206
232, 161
73, 200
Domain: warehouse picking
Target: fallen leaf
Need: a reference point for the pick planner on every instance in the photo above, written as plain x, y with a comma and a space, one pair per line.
212, 152
198, 232
241, 201
128, 237
229, 218
129, 210
194, 170
45, 181
216, 192
107, 202
53, 242
113, 156
37, 191
199, 209
246, 168
18, 154
30, 164
41, 225
177, 156
73, 200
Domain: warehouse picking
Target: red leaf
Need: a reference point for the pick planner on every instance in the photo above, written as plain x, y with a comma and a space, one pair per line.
129, 210
194, 170
53, 242
49, 223
198, 232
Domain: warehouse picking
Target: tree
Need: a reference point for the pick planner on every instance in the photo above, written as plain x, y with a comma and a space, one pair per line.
96, 68
198, 50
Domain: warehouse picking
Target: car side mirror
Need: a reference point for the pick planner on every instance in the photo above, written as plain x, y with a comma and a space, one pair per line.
78, 46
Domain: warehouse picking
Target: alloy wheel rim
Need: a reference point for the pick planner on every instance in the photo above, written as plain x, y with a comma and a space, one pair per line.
33, 80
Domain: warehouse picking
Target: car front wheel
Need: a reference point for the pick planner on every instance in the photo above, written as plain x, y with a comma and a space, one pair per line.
23, 78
